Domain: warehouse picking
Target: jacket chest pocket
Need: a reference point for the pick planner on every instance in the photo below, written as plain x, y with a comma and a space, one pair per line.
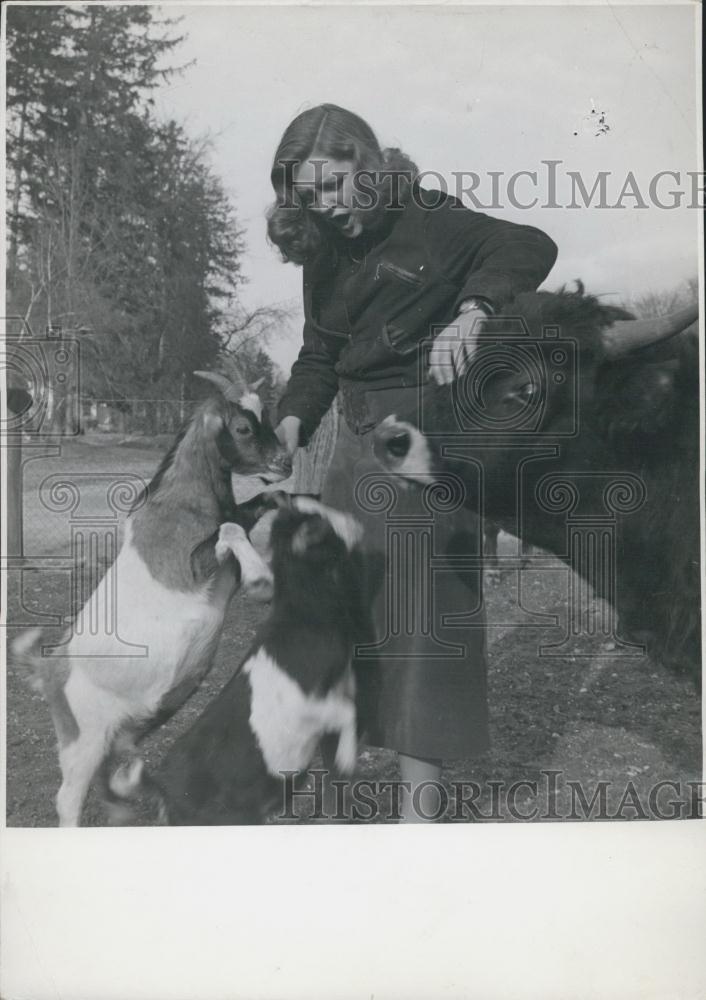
386, 269
415, 300
401, 288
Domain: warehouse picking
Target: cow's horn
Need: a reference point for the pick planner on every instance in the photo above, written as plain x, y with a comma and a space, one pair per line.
230, 390
254, 386
625, 335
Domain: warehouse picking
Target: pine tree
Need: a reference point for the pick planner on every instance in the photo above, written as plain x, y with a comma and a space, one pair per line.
118, 226
37, 69
72, 74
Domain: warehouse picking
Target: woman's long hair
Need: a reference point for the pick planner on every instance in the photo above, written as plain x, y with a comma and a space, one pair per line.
330, 131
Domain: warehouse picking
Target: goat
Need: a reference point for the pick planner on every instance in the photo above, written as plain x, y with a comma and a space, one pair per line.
170, 584
294, 686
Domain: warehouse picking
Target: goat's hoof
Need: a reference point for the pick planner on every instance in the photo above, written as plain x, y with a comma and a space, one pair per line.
222, 552
261, 589
119, 813
229, 537
346, 754
126, 779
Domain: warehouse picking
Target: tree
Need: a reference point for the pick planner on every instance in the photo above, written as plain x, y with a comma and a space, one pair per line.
36, 66
147, 267
118, 227
664, 301
73, 72
198, 245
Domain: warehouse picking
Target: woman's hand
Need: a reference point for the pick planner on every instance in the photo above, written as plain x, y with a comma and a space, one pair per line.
455, 346
287, 432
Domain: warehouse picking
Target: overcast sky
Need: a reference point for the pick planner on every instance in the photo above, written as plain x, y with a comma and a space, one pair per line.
463, 89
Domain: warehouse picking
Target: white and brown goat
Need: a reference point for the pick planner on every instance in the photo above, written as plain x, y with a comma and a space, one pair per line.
169, 586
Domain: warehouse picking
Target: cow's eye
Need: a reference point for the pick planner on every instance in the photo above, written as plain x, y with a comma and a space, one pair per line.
526, 392
243, 431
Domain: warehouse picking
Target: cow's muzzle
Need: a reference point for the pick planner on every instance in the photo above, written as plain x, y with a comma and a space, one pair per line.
392, 444
402, 449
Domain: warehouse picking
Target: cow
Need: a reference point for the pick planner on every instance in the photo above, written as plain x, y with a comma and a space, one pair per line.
571, 408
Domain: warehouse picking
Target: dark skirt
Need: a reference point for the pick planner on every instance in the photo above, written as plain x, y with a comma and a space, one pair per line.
421, 671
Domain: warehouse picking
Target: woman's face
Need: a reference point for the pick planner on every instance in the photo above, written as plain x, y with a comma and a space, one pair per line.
326, 187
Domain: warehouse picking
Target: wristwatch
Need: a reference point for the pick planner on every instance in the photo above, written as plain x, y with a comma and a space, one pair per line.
475, 305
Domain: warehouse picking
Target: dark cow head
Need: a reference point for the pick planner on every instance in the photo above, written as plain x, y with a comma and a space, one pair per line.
555, 368
572, 408
559, 372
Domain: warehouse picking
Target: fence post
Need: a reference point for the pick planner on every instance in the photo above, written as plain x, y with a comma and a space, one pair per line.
14, 497
18, 400
311, 463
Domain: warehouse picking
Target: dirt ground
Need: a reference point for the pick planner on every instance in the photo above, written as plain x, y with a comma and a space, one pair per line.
567, 724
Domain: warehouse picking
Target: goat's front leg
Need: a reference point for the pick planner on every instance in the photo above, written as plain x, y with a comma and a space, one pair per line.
347, 750
255, 574
79, 762
337, 714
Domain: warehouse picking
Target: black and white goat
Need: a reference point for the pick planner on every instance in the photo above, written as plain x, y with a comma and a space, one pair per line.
169, 587
295, 685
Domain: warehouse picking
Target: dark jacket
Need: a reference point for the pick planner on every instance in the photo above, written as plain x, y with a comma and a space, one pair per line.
371, 302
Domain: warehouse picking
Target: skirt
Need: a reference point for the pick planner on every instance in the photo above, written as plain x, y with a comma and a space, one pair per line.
421, 670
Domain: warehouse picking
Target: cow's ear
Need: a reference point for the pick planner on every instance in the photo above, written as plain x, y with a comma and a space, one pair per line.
655, 403
637, 399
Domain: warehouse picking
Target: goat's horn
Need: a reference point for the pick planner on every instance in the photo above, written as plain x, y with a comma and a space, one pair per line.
230, 390
625, 335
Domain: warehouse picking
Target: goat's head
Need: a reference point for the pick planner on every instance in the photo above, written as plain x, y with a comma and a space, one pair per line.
311, 542
243, 434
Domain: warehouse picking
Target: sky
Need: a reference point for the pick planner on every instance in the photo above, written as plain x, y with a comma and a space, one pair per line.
475, 88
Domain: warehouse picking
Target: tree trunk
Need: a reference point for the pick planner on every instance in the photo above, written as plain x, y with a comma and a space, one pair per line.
15, 215
14, 497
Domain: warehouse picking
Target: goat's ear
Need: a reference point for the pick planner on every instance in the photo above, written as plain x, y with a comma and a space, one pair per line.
309, 534
213, 422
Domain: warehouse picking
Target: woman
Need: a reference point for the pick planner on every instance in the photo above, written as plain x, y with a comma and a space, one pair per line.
386, 265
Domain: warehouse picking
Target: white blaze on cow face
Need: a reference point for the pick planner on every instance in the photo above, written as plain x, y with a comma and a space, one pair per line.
344, 526
252, 402
413, 458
